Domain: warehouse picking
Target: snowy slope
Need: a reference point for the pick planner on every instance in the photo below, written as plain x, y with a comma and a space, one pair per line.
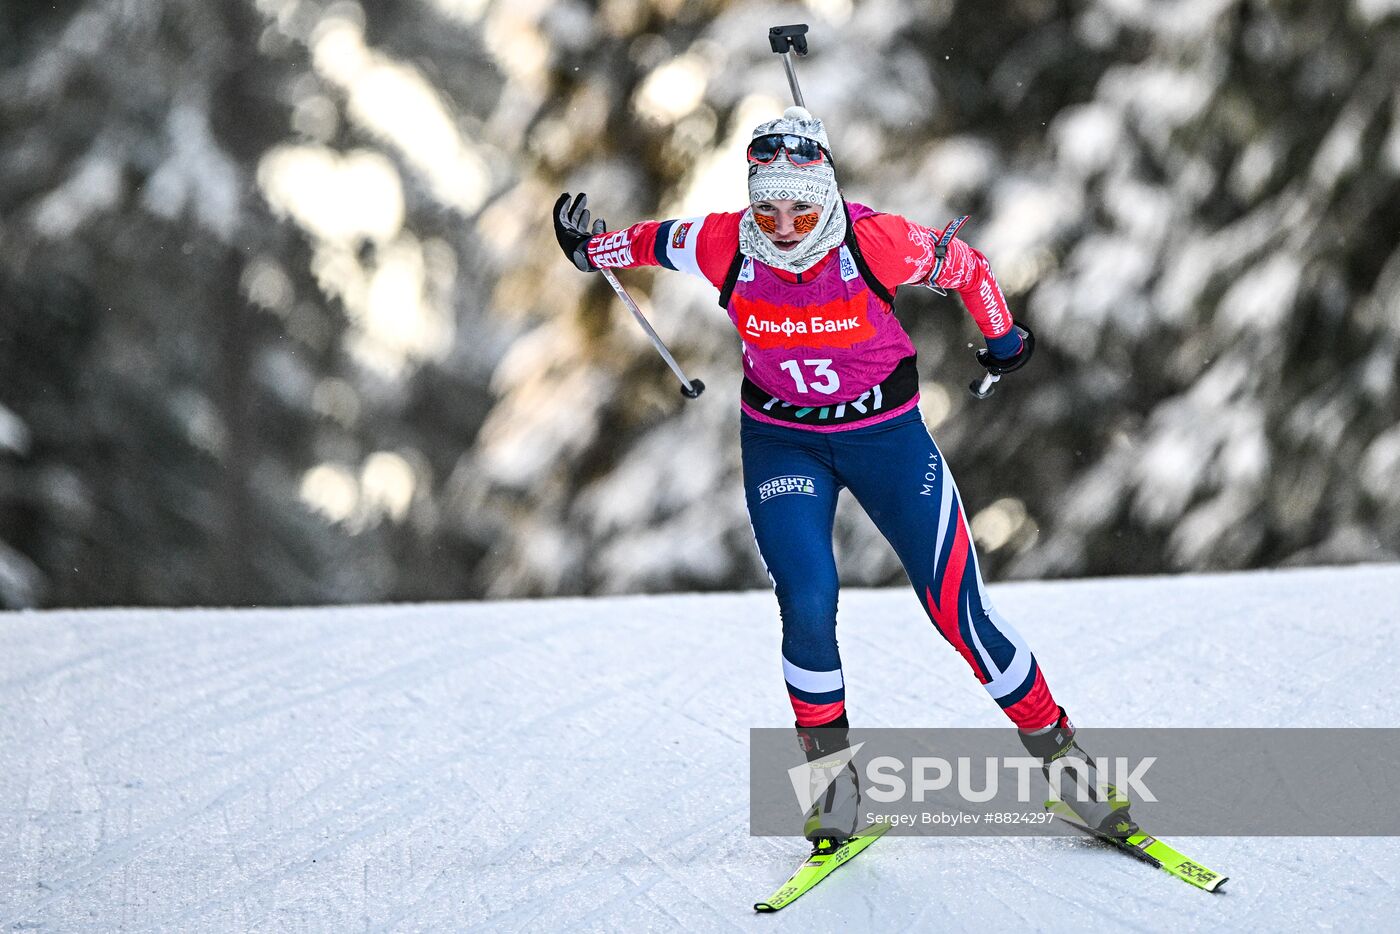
582, 764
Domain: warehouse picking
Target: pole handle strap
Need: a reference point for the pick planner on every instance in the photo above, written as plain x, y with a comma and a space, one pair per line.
940, 249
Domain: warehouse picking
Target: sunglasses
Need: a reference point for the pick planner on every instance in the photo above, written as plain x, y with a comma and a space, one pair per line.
800, 150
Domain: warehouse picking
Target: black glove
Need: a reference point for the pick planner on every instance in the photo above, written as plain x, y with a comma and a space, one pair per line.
1000, 366
571, 227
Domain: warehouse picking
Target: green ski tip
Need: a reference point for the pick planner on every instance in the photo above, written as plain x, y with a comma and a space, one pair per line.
818, 866
1150, 850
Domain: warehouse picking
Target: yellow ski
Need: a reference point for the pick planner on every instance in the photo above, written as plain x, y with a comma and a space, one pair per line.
1150, 850
818, 866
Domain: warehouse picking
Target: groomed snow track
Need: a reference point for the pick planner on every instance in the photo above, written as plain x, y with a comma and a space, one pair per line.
582, 764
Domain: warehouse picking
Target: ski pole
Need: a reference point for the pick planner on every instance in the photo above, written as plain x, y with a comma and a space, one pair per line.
785, 40
982, 388
690, 388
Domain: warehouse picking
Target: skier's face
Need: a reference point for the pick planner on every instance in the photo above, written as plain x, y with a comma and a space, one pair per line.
786, 222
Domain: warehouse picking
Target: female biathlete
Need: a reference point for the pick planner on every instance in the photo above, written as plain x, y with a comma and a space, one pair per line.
830, 401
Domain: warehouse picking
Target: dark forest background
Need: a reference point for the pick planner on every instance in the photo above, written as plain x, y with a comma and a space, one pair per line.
282, 319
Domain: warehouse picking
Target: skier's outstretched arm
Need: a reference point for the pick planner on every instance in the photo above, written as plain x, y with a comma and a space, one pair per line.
702, 246
901, 252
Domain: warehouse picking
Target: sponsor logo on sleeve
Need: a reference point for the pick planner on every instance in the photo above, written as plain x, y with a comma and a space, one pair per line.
989, 300
679, 234
781, 485
613, 250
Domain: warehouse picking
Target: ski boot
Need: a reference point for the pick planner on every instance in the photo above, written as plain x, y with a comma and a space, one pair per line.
832, 819
1098, 805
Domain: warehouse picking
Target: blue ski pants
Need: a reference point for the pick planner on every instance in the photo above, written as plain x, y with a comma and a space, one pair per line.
792, 478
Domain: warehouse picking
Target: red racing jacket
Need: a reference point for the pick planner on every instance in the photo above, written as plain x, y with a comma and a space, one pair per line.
823, 341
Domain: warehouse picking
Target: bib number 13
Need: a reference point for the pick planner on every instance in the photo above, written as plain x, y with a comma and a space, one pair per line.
824, 380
